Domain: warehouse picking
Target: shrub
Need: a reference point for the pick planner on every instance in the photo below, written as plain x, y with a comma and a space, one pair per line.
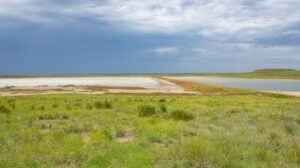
103, 105
77, 104
47, 117
32, 107
89, 107
182, 115
76, 129
4, 109
146, 110
107, 104
290, 128
53, 117
163, 108
68, 107
98, 104
55, 105
12, 105
42, 108
162, 100
65, 117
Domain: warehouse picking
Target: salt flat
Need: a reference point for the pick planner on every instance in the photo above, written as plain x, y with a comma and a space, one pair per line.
144, 82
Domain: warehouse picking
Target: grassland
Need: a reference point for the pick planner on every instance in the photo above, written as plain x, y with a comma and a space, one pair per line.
220, 128
259, 74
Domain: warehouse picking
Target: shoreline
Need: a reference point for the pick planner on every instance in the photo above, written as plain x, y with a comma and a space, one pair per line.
234, 78
289, 93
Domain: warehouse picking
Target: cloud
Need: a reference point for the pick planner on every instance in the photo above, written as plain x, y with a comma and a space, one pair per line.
223, 20
216, 19
165, 50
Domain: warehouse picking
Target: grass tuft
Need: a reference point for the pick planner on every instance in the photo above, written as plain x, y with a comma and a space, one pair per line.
146, 110
182, 115
4, 109
162, 100
42, 108
103, 105
163, 108
54, 105
290, 128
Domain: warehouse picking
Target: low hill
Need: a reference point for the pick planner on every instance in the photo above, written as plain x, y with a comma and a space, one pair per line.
259, 73
265, 74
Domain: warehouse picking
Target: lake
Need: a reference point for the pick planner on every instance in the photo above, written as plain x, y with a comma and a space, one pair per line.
256, 84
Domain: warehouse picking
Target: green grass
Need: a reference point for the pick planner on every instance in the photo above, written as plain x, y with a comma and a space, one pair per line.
261, 73
193, 131
266, 74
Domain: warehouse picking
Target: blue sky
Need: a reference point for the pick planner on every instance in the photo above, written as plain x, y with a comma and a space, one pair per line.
134, 36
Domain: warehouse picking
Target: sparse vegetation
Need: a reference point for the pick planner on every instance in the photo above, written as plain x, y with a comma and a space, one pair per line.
163, 108
4, 109
246, 130
54, 105
182, 115
103, 105
146, 110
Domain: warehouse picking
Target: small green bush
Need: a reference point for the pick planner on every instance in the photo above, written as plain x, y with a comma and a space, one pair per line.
77, 104
162, 100
98, 105
68, 107
89, 107
4, 109
107, 104
163, 108
146, 110
47, 117
182, 115
12, 105
103, 105
53, 117
290, 128
55, 105
76, 129
32, 107
42, 108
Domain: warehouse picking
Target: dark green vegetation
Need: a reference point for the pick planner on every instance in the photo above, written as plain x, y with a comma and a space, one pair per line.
250, 130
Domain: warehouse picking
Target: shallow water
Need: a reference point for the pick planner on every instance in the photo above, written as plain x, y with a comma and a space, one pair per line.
146, 82
256, 84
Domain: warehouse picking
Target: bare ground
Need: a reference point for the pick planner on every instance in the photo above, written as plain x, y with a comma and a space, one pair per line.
164, 87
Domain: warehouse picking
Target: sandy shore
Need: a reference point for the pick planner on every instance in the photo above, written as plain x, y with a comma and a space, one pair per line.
297, 94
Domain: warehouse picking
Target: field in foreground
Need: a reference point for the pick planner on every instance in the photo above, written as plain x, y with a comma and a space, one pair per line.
253, 130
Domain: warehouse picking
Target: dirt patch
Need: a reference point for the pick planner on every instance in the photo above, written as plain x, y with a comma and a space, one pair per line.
125, 138
105, 88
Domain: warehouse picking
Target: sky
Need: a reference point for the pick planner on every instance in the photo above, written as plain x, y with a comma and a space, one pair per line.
150, 36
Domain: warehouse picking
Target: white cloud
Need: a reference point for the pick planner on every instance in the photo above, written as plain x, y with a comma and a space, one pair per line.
227, 18
218, 19
165, 50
